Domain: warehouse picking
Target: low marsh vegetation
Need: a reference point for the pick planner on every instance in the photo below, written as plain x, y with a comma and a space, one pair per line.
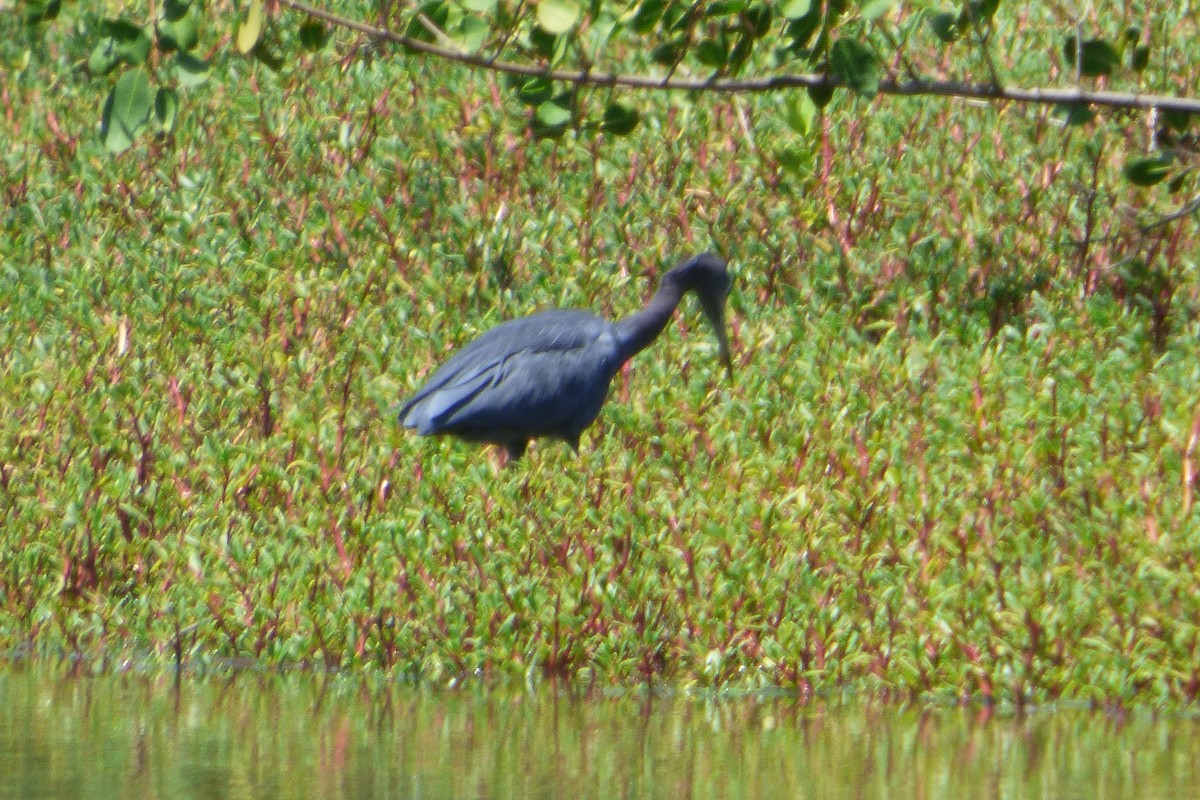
958, 457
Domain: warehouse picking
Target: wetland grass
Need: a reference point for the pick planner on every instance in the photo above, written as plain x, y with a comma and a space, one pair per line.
958, 459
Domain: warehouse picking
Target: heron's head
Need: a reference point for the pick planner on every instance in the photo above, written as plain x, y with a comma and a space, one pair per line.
707, 276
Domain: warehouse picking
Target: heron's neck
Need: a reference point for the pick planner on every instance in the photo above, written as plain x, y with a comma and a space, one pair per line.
638, 330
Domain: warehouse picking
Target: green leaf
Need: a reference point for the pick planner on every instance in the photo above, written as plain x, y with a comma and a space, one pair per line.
857, 65
796, 161
547, 44
1095, 56
1178, 121
179, 24
1074, 113
166, 109
677, 18
724, 8
103, 57
711, 53
535, 91
801, 31
979, 12
313, 35
945, 26
756, 21
1139, 57
126, 110
437, 12
820, 95
472, 33
553, 113
1147, 170
800, 111
667, 54
794, 9
740, 54
620, 120
478, 6
122, 41
42, 10
133, 41
265, 54
190, 70
551, 118
250, 30
647, 16
874, 9
557, 16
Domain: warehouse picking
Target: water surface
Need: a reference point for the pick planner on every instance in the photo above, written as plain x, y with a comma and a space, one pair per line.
308, 736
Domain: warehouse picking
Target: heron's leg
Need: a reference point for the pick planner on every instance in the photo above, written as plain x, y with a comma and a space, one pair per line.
515, 449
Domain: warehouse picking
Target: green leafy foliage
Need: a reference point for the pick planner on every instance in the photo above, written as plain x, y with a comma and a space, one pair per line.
647, 15
668, 54
250, 31
820, 95
121, 42
801, 113
166, 108
1074, 113
127, 110
1148, 170
548, 46
1093, 57
619, 119
795, 9
179, 24
553, 113
945, 26
712, 53
1139, 57
801, 30
857, 64
36, 11
557, 16
314, 35
979, 12
534, 91
955, 461
1177, 121
874, 9
472, 33
190, 70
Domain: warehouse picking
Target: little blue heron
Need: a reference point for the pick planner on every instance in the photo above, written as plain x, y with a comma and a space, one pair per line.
548, 374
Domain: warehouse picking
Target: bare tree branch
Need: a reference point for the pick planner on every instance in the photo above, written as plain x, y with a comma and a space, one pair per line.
774, 83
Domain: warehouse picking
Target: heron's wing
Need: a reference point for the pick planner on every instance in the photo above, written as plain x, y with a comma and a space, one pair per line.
527, 374
556, 391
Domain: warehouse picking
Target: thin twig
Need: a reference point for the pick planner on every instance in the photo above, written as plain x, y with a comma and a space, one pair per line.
509, 34
982, 39
1190, 207
909, 68
438, 33
1187, 209
774, 83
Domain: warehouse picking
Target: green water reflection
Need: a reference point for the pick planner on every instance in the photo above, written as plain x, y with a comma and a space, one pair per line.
258, 736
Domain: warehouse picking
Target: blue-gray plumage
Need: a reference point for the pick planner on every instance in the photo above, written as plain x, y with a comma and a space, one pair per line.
548, 374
